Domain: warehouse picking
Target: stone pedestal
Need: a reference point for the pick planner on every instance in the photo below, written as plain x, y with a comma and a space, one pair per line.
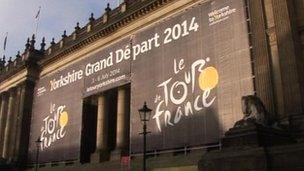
253, 159
255, 135
297, 126
116, 154
100, 156
245, 148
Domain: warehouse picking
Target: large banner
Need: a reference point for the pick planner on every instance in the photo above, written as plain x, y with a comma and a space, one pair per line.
57, 118
58, 97
191, 68
193, 76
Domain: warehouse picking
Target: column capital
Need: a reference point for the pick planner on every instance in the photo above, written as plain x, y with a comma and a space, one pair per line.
4, 94
27, 83
12, 90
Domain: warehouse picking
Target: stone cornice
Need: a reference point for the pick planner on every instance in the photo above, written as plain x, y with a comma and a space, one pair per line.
94, 32
81, 37
99, 29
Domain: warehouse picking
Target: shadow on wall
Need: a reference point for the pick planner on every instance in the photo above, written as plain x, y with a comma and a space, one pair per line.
195, 130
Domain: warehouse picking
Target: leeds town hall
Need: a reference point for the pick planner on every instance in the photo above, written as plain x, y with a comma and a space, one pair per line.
156, 85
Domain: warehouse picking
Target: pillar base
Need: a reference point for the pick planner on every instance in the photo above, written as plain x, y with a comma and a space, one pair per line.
99, 156
297, 126
115, 155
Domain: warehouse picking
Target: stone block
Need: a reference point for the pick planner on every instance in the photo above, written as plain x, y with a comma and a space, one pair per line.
99, 157
255, 135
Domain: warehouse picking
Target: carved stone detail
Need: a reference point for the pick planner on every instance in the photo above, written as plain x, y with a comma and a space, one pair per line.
254, 112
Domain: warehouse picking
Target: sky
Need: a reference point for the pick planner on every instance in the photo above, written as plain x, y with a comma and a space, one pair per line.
17, 18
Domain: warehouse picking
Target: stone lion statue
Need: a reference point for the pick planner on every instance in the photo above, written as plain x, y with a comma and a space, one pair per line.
254, 112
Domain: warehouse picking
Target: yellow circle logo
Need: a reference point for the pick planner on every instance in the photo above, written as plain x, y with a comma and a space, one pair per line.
208, 78
64, 118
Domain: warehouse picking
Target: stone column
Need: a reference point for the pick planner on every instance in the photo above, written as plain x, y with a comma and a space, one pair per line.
101, 132
1, 99
0, 104
3, 116
19, 120
101, 152
121, 119
9, 122
291, 62
26, 112
122, 123
14, 130
261, 55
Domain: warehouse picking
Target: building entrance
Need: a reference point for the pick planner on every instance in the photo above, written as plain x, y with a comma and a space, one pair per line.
105, 126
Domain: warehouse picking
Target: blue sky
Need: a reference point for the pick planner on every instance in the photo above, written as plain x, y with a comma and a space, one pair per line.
17, 17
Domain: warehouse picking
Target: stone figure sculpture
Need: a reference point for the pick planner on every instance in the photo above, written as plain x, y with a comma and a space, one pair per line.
254, 112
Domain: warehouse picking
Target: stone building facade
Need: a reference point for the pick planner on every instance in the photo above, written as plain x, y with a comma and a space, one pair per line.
107, 136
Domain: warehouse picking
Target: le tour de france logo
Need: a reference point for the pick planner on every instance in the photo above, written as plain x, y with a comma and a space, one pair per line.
54, 125
177, 92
